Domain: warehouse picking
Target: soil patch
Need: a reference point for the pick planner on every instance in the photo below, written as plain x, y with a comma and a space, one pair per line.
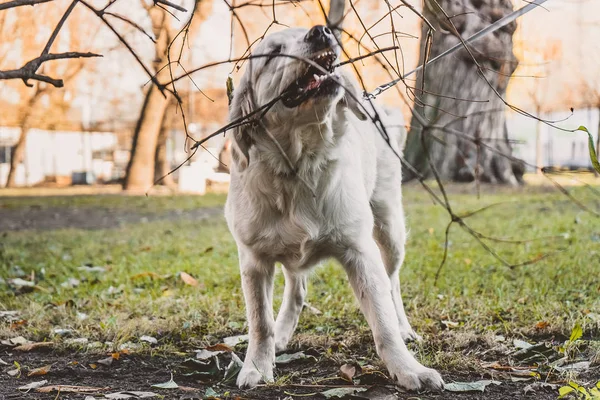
140, 372
49, 218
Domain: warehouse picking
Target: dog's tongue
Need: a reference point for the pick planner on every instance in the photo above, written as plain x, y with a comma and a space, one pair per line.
313, 83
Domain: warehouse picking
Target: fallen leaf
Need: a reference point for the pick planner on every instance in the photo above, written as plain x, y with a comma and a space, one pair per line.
14, 372
539, 385
76, 341
188, 279
477, 386
220, 347
376, 393
167, 385
89, 268
341, 392
210, 394
147, 274
312, 309
2, 362
288, 358
40, 371
34, 346
450, 324
347, 372
148, 339
107, 362
206, 354
69, 389
521, 344
542, 325
232, 341
33, 385
16, 341
233, 369
62, 331
93, 366
577, 367
21, 283
18, 324
209, 368
70, 283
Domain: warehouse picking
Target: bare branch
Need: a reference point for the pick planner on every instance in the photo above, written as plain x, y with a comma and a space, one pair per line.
19, 3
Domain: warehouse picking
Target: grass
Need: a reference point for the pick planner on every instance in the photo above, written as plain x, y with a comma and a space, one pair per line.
141, 292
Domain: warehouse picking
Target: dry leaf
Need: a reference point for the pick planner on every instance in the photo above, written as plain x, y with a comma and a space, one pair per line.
40, 371
34, 346
147, 274
116, 355
188, 279
107, 362
542, 325
220, 347
347, 372
70, 389
93, 366
32, 385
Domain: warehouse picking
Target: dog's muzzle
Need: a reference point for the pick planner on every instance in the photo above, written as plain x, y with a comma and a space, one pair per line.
315, 81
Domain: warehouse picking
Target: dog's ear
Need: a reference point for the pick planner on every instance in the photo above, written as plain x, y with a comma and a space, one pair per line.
352, 98
241, 135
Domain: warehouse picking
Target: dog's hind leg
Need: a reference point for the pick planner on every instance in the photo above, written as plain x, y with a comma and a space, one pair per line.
367, 275
289, 313
257, 284
390, 234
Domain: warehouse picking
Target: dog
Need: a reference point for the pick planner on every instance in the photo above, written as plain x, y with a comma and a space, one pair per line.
314, 179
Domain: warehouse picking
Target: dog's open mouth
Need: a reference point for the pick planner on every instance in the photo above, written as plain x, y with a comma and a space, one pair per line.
314, 81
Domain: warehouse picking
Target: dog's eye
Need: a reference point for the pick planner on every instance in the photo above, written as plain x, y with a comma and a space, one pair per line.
276, 50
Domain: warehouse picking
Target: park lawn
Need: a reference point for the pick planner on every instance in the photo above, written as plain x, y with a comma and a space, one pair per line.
140, 290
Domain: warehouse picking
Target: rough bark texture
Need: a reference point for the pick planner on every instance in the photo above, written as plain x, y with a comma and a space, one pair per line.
18, 152
453, 95
140, 170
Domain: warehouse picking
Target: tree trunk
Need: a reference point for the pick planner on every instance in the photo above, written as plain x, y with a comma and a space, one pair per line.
455, 96
18, 152
16, 157
139, 175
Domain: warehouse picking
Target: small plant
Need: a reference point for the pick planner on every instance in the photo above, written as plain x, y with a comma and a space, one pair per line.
574, 390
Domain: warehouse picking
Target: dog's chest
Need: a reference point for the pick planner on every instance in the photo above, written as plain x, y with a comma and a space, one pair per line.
289, 224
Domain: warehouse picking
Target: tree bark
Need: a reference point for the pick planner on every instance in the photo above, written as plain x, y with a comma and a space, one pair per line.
455, 96
139, 175
18, 152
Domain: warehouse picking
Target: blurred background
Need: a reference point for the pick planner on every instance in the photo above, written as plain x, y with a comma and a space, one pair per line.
84, 133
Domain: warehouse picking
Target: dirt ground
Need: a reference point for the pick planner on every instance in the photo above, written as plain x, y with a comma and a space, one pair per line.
49, 218
139, 373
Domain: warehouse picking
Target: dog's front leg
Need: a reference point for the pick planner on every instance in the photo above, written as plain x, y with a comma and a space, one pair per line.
289, 313
257, 284
372, 287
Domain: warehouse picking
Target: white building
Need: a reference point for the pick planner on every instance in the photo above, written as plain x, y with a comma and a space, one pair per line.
58, 154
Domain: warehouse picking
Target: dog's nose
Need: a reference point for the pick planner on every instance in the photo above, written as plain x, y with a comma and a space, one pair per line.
319, 34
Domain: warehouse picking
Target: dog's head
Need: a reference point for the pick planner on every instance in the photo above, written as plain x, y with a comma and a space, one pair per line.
295, 65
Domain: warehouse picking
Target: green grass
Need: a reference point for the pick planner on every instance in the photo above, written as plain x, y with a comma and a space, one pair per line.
475, 290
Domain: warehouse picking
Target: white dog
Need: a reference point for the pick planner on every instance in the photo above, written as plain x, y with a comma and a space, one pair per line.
315, 179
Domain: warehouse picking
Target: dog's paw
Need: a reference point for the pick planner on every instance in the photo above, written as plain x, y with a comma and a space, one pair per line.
420, 379
408, 335
249, 377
